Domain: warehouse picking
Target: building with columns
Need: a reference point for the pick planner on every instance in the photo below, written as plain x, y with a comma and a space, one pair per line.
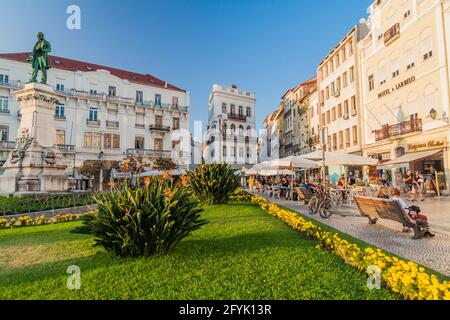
405, 87
231, 129
102, 110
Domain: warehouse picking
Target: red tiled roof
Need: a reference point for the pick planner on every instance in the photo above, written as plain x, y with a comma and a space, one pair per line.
74, 65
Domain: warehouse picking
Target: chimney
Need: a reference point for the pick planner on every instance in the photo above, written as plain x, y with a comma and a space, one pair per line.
165, 84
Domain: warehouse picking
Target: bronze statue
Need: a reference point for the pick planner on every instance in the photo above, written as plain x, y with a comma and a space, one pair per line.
39, 58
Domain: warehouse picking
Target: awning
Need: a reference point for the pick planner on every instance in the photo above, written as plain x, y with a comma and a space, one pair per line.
340, 159
411, 157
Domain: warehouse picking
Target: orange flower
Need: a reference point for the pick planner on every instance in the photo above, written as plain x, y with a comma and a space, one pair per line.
146, 181
184, 181
165, 175
112, 183
168, 193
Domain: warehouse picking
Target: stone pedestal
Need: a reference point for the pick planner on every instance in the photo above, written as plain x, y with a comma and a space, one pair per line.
36, 165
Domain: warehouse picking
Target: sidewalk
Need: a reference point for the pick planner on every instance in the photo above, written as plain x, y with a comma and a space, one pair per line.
433, 253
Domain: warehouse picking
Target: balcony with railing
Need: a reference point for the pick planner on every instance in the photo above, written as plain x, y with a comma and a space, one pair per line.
392, 34
314, 141
66, 148
11, 84
150, 153
237, 117
112, 124
7, 145
93, 123
159, 127
399, 129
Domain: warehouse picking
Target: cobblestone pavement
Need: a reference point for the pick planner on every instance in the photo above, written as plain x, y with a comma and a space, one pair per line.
387, 235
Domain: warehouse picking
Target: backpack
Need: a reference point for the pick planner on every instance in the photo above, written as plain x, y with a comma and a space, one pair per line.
416, 209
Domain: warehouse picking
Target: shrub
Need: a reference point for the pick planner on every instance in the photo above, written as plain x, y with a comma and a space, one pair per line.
240, 195
213, 183
145, 221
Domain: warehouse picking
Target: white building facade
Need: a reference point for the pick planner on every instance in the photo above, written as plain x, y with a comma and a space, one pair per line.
231, 129
101, 110
269, 142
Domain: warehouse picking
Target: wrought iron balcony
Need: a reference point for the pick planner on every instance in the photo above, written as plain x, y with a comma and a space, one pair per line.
66, 148
112, 124
314, 141
61, 118
237, 117
93, 123
392, 34
166, 154
7, 145
399, 129
159, 127
139, 125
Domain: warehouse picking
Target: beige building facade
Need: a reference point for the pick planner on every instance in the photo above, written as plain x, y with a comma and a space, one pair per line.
405, 88
339, 96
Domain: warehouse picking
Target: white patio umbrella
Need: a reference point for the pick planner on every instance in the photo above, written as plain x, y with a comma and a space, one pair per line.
340, 158
293, 162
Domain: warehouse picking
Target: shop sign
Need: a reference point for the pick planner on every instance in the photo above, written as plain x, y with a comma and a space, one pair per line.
432, 144
397, 87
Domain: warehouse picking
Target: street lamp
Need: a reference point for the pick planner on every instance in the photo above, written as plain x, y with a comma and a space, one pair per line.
101, 157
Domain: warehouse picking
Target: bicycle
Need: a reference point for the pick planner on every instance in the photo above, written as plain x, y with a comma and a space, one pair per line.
321, 203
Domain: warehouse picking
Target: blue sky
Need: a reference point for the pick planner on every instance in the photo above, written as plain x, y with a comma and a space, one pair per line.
266, 46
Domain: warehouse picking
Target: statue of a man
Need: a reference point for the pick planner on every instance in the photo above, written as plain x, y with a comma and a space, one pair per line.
39, 58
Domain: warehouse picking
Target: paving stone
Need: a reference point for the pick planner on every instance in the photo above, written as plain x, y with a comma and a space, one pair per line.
387, 235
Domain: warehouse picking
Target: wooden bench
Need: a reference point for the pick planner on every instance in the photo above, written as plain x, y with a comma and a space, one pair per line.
304, 194
375, 209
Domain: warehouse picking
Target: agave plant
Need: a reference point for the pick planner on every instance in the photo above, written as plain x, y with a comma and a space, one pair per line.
144, 221
213, 183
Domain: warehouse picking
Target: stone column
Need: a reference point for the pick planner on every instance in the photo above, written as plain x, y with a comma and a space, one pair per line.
36, 165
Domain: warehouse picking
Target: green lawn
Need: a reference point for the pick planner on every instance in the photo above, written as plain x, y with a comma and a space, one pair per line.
243, 253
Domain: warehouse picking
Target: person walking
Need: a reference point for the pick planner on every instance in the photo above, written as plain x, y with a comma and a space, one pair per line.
408, 181
418, 186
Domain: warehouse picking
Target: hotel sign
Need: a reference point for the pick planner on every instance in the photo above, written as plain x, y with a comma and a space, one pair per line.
397, 87
432, 144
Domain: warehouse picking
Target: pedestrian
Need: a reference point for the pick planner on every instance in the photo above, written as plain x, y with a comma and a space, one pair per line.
418, 186
408, 182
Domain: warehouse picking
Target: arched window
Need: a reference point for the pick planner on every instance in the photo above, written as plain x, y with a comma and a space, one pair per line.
233, 129
430, 99
241, 131
410, 55
397, 110
413, 104
395, 65
427, 43
249, 131
381, 74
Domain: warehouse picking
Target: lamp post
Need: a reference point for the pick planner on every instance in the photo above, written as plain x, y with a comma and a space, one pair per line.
101, 157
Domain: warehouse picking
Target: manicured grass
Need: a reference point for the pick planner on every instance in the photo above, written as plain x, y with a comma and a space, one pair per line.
243, 253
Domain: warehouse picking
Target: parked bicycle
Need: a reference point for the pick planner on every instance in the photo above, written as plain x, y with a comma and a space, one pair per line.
321, 202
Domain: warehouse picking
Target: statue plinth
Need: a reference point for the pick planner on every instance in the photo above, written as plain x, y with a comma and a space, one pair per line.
36, 165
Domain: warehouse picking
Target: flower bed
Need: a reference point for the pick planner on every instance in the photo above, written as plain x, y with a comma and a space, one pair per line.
26, 221
403, 277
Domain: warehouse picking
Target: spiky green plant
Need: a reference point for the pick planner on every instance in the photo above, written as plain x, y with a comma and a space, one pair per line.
213, 183
144, 221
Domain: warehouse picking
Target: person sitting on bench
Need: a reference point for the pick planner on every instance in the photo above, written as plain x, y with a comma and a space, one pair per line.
416, 216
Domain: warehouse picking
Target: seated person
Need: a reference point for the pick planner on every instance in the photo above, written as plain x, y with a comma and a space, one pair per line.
383, 193
341, 183
395, 193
